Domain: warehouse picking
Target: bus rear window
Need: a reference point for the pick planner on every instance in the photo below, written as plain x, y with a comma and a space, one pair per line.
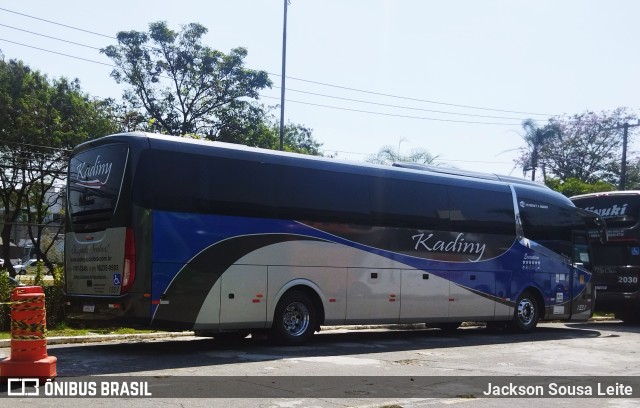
95, 180
619, 211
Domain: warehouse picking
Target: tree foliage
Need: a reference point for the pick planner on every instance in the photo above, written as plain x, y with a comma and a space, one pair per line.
185, 87
572, 186
251, 127
297, 138
388, 155
535, 138
585, 147
633, 173
40, 120
179, 86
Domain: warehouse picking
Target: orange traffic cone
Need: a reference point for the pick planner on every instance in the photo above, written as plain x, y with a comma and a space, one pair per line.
29, 357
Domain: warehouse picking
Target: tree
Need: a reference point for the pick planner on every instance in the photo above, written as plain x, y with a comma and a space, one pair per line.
266, 134
297, 138
584, 147
45, 225
125, 118
535, 137
40, 121
572, 186
388, 155
633, 173
183, 86
250, 127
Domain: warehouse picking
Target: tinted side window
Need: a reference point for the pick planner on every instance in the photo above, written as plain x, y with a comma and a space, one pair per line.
409, 203
619, 211
233, 186
316, 194
543, 220
482, 210
190, 183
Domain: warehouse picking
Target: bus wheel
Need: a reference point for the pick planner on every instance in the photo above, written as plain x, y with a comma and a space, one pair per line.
527, 313
294, 320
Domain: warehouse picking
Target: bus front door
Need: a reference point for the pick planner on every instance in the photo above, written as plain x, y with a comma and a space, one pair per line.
581, 285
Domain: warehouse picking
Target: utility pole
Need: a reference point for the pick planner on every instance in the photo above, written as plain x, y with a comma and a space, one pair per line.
625, 135
284, 63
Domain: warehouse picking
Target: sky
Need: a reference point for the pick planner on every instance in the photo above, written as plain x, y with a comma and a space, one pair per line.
454, 77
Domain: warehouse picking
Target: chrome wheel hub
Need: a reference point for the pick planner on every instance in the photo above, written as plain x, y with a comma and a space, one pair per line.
296, 319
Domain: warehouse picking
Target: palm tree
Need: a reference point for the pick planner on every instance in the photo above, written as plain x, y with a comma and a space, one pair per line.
388, 155
536, 137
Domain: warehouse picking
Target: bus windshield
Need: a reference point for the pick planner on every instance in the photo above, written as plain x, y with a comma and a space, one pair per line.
95, 179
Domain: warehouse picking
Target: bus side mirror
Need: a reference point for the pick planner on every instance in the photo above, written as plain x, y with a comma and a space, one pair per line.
602, 229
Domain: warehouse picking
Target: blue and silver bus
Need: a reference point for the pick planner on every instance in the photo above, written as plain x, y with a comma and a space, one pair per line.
177, 233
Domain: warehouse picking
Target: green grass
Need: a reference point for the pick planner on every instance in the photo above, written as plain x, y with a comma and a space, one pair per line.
602, 314
63, 331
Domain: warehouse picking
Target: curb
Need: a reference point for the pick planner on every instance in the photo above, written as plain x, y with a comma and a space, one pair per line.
99, 338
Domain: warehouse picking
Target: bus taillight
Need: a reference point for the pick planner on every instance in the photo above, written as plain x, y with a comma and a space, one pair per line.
129, 274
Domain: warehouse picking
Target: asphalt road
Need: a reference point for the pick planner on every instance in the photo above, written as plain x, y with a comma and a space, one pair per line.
379, 368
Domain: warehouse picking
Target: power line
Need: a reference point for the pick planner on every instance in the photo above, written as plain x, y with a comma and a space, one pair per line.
307, 103
58, 53
396, 115
45, 162
415, 99
56, 23
400, 107
291, 90
34, 145
36, 170
437, 159
50, 37
33, 157
279, 75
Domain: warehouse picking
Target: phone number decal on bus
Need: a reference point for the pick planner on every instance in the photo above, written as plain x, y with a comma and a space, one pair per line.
110, 267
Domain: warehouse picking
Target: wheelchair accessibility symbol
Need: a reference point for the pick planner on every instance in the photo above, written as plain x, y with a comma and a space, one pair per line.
117, 281
635, 251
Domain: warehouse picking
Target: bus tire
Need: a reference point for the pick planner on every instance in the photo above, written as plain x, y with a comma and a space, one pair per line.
526, 313
294, 320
